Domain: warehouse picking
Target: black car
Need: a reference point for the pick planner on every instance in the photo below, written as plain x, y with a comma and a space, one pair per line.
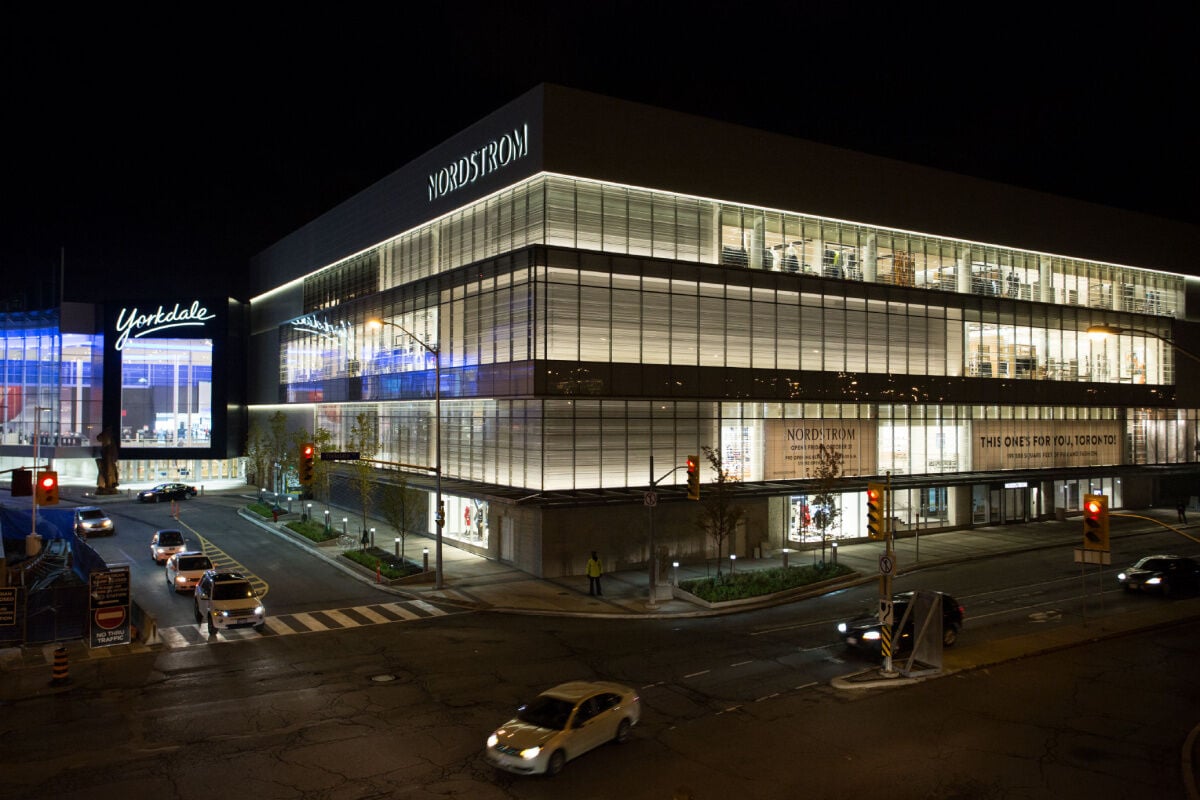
864, 633
1165, 574
167, 491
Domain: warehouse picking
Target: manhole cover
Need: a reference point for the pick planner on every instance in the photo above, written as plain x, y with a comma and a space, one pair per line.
385, 678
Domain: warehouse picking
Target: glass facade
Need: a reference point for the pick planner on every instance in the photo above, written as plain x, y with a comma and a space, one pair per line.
166, 393
594, 318
58, 373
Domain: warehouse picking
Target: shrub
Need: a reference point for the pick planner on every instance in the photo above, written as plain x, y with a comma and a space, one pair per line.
755, 583
389, 565
313, 530
262, 509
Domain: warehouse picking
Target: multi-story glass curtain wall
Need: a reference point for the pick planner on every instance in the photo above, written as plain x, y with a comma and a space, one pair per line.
58, 373
591, 215
1040, 341
581, 443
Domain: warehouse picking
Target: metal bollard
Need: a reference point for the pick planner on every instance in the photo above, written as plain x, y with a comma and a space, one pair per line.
60, 676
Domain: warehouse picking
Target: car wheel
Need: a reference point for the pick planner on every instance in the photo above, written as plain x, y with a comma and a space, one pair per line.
555, 764
259, 628
1166, 589
949, 636
622, 732
212, 629
196, 609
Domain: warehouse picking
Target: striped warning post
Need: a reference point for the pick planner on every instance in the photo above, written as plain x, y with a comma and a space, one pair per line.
60, 673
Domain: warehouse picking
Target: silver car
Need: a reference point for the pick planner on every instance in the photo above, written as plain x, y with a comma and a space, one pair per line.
92, 521
564, 723
166, 543
185, 569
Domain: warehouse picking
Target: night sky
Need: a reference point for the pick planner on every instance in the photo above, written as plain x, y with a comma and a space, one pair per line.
162, 154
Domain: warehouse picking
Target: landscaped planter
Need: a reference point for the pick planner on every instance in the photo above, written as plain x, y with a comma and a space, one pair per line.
800, 591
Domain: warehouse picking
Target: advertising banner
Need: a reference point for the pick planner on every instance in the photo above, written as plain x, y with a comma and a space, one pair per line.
1040, 444
794, 446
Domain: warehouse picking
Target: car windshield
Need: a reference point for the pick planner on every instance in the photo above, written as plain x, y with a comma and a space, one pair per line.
546, 712
1155, 564
232, 590
91, 513
170, 538
194, 563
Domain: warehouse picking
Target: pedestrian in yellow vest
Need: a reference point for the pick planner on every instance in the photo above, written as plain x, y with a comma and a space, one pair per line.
594, 571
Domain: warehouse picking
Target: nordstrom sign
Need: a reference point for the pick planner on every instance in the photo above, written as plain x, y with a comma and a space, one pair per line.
499, 152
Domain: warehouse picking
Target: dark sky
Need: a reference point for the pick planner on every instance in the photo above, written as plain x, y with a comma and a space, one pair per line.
164, 153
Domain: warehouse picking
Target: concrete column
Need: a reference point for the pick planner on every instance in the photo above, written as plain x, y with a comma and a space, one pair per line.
870, 255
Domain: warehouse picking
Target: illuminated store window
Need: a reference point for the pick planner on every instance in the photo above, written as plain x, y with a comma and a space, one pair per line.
166, 393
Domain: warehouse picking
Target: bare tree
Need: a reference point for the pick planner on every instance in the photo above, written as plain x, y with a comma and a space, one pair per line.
825, 500
364, 438
719, 516
401, 506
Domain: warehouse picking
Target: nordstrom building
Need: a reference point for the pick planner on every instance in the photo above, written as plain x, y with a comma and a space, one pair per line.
606, 288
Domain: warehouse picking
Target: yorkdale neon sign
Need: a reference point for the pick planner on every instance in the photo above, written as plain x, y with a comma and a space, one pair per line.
131, 322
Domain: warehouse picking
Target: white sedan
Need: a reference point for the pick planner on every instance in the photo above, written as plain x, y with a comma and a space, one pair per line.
185, 569
564, 723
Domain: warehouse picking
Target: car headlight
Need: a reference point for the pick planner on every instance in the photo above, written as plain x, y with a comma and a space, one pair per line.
870, 636
841, 627
223, 613
181, 579
492, 740
1155, 581
530, 753
1121, 576
259, 611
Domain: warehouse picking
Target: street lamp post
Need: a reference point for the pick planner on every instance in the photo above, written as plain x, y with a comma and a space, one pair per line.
440, 513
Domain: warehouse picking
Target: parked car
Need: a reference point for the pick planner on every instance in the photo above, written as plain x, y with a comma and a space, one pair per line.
92, 521
564, 723
184, 570
166, 543
864, 632
1165, 574
167, 491
228, 600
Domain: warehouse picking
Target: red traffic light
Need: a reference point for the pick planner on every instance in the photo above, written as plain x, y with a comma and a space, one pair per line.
48, 481
1093, 507
308, 451
872, 494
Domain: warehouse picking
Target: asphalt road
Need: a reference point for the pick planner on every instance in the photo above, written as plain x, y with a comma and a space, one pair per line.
734, 706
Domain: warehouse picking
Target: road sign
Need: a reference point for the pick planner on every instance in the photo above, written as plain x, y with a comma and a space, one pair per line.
650, 499
886, 612
1085, 556
887, 564
340, 455
110, 618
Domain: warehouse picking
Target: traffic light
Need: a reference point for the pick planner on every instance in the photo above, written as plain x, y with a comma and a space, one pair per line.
22, 483
305, 467
693, 465
1095, 522
875, 523
47, 488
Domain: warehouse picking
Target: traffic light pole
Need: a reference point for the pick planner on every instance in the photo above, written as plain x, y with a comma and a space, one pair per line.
885, 580
653, 601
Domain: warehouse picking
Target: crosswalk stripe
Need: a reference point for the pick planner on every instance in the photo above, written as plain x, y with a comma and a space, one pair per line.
371, 615
345, 621
397, 608
307, 622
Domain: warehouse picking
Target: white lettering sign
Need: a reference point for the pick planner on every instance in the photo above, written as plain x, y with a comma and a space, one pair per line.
321, 327
500, 152
132, 322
